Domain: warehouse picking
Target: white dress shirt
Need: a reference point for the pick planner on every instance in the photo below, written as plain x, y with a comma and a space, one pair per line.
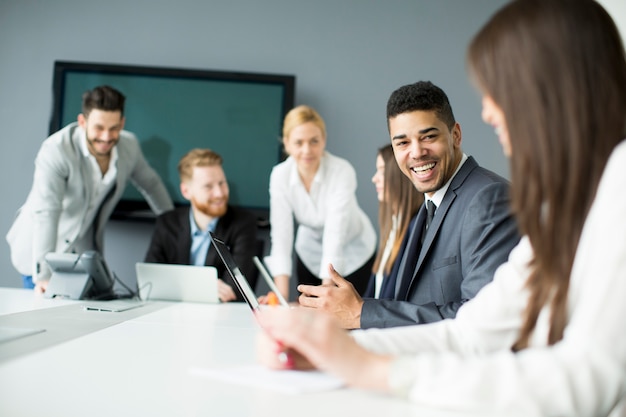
99, 187
438, 195
380, 274
332, 228
466, 363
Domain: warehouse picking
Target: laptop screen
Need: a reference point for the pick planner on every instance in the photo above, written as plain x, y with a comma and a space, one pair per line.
240, 281
173, 282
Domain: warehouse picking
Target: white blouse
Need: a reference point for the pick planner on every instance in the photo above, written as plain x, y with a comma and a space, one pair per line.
380, 274
331, 227
466, 363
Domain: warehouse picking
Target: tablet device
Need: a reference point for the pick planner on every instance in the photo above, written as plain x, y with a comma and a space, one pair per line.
270, 281
235, 273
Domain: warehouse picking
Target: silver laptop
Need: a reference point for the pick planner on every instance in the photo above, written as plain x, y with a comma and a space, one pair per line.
168, 282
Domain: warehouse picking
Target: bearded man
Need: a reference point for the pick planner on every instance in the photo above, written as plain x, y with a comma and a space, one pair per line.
81, 172
181, 236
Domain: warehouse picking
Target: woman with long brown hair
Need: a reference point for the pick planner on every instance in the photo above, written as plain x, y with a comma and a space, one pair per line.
546, 337
398, 201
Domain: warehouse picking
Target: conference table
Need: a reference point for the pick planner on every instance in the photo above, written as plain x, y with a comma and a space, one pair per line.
156, 359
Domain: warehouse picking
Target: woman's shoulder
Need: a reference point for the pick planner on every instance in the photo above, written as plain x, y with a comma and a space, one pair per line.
619, 153
336, 165
337, 161
282, 171
281, 166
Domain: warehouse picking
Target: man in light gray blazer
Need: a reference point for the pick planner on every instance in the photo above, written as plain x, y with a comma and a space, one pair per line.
462, 233
80, 174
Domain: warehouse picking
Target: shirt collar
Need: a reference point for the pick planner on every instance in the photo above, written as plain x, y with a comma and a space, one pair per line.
294, 178
437, 197
195, 230
83, 143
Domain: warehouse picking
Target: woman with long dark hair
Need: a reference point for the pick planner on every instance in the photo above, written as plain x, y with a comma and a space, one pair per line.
398, 202
546, 337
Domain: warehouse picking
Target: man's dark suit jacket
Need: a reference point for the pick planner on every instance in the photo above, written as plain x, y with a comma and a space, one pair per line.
471, 234
171, 242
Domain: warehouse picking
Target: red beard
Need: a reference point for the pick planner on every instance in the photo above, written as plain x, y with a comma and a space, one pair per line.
208, 209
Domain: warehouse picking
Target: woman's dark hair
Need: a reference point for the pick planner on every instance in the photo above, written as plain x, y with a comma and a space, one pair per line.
401, 199
557, 70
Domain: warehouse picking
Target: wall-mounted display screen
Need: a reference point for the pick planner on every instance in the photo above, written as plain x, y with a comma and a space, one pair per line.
170, 110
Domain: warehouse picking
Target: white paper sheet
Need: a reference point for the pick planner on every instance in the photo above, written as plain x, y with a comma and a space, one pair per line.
289, 382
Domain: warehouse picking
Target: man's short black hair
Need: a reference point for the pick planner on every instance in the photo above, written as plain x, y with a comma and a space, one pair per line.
421, 96
103, 98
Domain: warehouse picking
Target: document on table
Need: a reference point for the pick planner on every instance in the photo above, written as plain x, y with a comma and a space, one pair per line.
289, 382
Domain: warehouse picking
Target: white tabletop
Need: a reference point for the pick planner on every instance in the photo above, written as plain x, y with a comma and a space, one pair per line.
143, 366
17, 300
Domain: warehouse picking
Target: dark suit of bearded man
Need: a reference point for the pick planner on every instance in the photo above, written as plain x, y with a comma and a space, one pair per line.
171, 242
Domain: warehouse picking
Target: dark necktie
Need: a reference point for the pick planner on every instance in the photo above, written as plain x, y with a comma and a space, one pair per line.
409, 259
430, 213
412, 251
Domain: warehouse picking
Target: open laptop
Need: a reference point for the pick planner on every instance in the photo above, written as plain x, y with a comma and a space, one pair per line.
169, 282
238, 278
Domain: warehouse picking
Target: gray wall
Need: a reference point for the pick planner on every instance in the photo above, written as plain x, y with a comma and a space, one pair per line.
347, 55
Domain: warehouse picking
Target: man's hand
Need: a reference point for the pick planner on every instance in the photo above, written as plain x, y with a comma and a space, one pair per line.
225, 292
339, 298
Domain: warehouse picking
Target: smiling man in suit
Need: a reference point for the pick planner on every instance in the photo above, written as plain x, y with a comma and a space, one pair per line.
181, 236
462, 233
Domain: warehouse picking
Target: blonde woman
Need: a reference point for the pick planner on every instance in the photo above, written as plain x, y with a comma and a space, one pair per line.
314, 210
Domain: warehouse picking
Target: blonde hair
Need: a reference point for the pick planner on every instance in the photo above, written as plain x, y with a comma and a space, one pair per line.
301, 115
197, 158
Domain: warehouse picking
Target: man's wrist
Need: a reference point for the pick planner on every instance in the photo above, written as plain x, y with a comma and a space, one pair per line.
355, 323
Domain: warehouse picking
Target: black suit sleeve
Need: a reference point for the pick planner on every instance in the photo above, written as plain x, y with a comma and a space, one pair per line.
240, 235
164, 242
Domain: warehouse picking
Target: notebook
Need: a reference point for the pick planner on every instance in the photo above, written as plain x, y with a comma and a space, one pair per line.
170, 282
